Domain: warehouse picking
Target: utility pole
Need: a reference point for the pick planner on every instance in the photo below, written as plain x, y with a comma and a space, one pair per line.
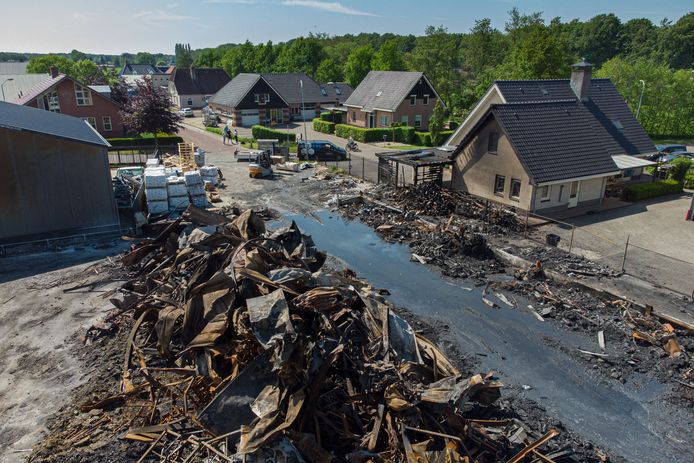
301, 84
643, 88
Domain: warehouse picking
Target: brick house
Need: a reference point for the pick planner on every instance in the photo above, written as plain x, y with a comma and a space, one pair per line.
269, 99
193, 87
59, 93
549, 145
384, 97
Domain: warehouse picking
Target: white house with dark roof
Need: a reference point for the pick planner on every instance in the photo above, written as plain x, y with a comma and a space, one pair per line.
132, 73
385, 97
548, 145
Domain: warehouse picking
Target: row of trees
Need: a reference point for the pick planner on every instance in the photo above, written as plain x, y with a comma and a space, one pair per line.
463, 65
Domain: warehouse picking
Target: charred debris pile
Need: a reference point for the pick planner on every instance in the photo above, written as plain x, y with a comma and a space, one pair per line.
243, 348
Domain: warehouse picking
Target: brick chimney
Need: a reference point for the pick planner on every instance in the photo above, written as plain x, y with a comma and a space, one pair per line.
54, 72
581, 74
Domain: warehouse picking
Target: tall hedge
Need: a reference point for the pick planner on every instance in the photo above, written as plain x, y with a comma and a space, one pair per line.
323, 126
639, 191
259, 132
334, 117
402, 134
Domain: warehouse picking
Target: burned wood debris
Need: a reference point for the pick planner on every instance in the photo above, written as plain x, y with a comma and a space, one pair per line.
243, 348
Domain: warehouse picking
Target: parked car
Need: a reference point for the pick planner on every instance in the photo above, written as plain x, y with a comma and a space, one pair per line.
670, 148
685, 154
321, 150
186, 112
130, 171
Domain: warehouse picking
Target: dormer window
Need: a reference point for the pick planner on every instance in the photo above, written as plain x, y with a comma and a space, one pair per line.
337, 91
618, 124
380, 92
323, 91
413, 100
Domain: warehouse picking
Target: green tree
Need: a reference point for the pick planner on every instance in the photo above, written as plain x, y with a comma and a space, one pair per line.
76, 55
639, 39
184, 59
358, 64
436, 123
537, 55
42, 64
301, 55
680, 42
144, 58
679, 168
265, 57
328, 71
436, 55
484, 47
600, 39
388, 57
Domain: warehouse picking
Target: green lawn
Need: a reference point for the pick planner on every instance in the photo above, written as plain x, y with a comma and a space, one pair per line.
407, 147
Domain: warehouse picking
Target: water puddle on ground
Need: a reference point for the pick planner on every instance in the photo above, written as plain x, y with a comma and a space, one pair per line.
509, 341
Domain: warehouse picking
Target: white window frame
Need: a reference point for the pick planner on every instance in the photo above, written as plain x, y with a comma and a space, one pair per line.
418, 120
108, 125
413, 100
425, 100
83, 96
91, 120
261, 98
499, 179
385, 120
545, 193
405, 119
354, 115
520, 186
190, 101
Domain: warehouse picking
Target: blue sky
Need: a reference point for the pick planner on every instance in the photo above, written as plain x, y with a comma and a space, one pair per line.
156, 25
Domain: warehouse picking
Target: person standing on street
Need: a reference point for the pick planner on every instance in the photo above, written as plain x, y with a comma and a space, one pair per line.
236, 136
225, 134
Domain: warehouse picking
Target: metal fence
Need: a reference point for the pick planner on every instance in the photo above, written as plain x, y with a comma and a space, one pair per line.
627, 256
135, 155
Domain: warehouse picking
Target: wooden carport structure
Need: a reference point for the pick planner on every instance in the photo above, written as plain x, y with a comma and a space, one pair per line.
427, 165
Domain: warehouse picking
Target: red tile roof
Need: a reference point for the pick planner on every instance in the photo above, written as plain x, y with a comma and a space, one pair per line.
39, 88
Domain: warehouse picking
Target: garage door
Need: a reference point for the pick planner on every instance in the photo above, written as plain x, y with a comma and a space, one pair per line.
308, 114
249, 118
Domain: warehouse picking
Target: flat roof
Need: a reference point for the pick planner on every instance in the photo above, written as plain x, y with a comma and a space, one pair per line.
418, 158
625, 161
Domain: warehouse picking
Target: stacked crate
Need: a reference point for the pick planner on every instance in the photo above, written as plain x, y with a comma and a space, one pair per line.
178, 193
196, 188
156, 191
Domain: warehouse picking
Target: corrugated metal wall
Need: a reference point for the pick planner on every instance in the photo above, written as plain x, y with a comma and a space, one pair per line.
52, 187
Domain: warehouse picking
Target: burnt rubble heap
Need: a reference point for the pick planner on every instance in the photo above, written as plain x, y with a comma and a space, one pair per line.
242, 349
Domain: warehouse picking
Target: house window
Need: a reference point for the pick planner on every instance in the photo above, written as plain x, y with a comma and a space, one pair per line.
91, 121
418, 120
323, 91
515, 188
107, 124
354, 115
499, 185
425, 100
295, 110
385, 121
49, 102
190, 102
337, 91
261, 98
413, 100
493, 142
404, 120
83, 95
545, 193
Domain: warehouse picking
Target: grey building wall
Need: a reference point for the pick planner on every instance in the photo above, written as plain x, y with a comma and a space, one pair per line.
53, 187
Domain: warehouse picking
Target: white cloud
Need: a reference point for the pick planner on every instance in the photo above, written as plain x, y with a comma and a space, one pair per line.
332, 7
160, 15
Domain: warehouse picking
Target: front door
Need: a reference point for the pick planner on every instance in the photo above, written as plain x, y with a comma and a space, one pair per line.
370, 121
573, 193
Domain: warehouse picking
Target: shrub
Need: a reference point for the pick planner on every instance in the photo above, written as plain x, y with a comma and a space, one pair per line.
260, 132
323, 126
679, 168
689, 180
422, 139
402, 134
334, 117
216, 130
145, 141
639, 191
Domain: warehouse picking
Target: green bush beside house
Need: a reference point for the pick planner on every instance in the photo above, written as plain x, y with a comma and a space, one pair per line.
323, 126
639, 191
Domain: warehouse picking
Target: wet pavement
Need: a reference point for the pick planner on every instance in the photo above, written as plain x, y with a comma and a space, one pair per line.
632, 420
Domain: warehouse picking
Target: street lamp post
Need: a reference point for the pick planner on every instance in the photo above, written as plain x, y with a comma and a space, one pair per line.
643, 88
301, 83
2, 87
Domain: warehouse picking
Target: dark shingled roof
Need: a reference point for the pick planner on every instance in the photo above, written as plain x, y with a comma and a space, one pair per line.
139, 70
25, 118
555, 140
234, 91
383, 89
285, 84
206, 81
606, 105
